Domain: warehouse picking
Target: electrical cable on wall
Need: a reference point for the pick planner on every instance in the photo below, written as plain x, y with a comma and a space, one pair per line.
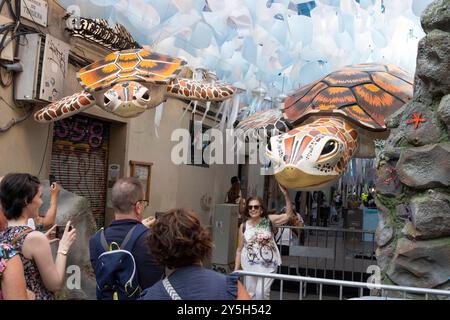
15, 121
13, 30
45, 150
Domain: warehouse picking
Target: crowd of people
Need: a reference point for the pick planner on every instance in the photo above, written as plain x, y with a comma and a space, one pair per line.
133, 258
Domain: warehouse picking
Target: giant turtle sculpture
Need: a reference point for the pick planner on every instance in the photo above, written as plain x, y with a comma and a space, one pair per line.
332, 119
126, 83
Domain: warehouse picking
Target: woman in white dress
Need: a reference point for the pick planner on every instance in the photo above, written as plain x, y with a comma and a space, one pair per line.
257, 250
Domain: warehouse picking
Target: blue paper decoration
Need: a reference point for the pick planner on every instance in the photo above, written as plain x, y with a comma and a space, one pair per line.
302, 39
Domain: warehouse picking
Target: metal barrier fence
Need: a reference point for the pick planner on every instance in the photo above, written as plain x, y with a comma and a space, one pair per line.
379, 291
331, 253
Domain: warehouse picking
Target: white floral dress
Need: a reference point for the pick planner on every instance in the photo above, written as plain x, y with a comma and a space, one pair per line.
260, 252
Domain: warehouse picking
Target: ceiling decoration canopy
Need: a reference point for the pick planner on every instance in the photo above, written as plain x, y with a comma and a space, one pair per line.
274, 46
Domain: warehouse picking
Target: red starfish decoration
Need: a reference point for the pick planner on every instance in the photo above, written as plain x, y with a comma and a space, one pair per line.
417, 118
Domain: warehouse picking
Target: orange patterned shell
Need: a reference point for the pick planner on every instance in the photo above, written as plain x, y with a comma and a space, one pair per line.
129, 65
364, 94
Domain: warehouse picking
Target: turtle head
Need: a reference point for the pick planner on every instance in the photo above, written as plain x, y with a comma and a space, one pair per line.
313, 155
126, 99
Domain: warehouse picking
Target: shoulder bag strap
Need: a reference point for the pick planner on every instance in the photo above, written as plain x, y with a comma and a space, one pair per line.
132, 236
21, 235
170, 290
127, 237
103, 241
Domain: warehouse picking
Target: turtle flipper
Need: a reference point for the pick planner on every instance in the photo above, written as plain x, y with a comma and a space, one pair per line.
199, 90
267, 122
65, 107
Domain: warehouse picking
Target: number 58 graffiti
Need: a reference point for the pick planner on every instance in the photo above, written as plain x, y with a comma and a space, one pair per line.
375, 278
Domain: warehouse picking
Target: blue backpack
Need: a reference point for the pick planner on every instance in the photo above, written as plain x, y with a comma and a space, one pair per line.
115, 270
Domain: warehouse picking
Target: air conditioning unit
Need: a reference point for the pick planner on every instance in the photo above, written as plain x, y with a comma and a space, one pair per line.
44, 61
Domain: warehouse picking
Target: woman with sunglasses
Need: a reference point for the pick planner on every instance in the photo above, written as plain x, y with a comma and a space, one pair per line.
257, 250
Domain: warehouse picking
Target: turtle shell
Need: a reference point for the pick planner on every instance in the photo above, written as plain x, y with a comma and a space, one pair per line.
364, 94
129, 65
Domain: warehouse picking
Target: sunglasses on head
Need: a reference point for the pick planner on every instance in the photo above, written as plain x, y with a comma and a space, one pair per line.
254, 207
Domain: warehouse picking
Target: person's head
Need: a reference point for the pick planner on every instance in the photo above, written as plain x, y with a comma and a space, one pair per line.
20, 195
235, 190
127, 197
255, 208
177, 239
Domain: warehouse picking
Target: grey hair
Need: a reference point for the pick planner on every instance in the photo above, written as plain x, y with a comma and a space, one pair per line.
125, 193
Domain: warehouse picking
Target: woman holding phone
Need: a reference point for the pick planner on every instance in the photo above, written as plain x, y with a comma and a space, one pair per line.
47, 222
20, 197
257, 250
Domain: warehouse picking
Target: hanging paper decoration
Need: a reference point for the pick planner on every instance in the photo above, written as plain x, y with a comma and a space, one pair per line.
249, 50
234, 111
201, 35
252, 41
158, 115
165, 9
258, 98
142, 13
208, 106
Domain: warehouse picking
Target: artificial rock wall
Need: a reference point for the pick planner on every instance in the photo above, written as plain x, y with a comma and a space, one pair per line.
413, 184
80, 279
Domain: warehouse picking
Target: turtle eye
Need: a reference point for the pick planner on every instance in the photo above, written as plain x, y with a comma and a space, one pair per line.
106, 100
146, 96
329, 147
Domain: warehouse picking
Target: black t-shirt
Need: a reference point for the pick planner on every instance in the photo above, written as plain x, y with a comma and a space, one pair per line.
149, 271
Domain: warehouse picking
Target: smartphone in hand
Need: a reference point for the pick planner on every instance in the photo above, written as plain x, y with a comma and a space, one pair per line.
60, 230
52, 179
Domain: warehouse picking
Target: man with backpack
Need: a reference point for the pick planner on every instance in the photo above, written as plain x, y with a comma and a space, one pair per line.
119, 256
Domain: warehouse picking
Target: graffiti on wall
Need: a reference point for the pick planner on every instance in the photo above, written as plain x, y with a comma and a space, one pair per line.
79, 130
79, 159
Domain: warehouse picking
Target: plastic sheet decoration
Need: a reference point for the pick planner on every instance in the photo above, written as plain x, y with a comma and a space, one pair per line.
249, 41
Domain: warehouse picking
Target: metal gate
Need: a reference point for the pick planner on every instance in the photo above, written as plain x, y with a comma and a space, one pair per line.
79, 159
